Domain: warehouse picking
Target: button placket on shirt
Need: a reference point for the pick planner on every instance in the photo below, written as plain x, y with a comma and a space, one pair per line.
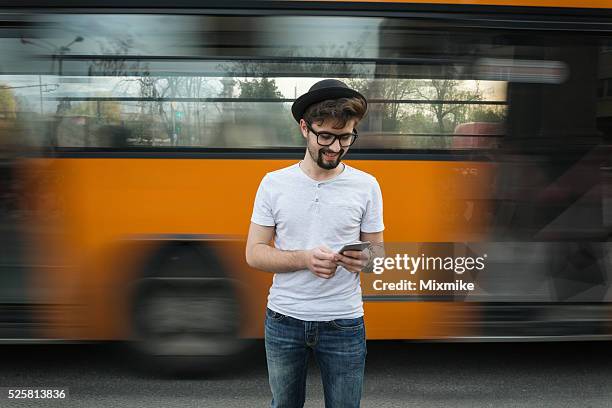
317, 189
316, 199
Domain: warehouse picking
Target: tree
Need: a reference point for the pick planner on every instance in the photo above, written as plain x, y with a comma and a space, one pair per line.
419, 122
103, 111
180, 118
262, 88
495, 114
448, 116
272, 118
8, 103
390, 90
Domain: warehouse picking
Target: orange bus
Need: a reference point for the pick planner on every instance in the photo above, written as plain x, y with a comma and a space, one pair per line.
133, 138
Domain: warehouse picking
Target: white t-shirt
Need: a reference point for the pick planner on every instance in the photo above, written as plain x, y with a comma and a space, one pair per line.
308, 213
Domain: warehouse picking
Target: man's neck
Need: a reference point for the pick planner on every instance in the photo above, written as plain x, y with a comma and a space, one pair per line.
315, 172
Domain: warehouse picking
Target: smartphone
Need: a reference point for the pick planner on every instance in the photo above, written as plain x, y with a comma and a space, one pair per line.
355, 246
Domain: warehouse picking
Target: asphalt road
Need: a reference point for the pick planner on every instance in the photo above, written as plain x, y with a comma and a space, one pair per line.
398, 374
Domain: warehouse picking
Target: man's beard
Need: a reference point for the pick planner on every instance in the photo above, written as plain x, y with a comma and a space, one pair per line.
320, 159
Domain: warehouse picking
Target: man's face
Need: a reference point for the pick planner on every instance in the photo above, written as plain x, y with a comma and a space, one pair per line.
326, 157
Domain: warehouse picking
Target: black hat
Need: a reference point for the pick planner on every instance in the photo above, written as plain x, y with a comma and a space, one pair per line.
321, 91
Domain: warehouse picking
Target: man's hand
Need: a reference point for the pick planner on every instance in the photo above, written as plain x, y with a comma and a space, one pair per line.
353, 261
320, 261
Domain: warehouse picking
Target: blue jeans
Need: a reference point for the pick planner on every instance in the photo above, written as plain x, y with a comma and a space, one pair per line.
339, 347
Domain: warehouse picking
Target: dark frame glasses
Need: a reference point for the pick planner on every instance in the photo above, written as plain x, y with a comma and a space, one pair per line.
331, 137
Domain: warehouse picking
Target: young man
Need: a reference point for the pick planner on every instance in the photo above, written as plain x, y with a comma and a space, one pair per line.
312, 209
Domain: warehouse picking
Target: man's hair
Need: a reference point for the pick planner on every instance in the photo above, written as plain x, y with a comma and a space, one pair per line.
339, 111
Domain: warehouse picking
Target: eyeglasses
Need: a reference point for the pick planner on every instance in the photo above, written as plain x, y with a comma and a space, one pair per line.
328, 139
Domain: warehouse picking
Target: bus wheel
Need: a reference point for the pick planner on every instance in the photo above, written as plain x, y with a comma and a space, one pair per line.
184, 319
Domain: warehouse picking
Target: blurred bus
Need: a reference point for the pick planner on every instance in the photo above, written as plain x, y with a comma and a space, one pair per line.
133, 138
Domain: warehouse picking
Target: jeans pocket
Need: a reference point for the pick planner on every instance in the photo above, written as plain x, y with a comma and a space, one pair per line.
274, 315
347, 324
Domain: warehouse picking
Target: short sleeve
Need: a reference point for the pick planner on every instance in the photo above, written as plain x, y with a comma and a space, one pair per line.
373, 217
262, 208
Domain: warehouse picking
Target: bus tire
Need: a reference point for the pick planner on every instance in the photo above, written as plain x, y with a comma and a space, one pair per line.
184, 314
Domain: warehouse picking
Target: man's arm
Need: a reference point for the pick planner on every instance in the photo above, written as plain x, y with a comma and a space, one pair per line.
261, 255
378, 247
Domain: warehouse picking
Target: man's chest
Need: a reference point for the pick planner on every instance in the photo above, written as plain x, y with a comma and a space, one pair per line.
322, 210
